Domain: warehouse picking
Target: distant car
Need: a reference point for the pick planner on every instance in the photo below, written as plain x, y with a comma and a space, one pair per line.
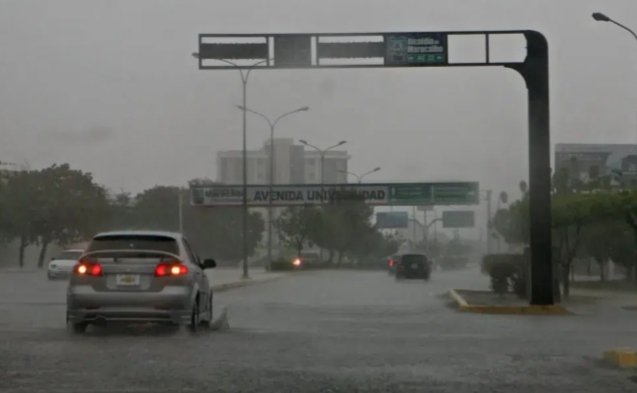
413, 266
307, 260
61, 265
139, 276
391, 264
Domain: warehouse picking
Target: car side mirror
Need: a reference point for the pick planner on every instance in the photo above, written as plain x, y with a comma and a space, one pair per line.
209, 263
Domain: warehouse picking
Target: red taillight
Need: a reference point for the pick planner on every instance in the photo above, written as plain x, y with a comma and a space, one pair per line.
86, 267
166, 269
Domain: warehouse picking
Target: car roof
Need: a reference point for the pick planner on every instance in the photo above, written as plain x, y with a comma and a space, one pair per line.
174, 235
72, 250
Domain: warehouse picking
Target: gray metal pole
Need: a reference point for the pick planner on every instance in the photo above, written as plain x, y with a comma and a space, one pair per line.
322, 193
244, 206
322, 169
489, 214
181, 212
535, 71
270, 215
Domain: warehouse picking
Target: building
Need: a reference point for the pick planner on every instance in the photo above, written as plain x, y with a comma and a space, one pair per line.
585, 163
293, 164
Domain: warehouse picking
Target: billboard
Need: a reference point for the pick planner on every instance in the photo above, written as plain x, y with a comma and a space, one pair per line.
391, 220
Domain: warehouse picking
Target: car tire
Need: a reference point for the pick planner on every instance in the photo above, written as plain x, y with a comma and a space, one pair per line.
206, 322
194, 316
77, 327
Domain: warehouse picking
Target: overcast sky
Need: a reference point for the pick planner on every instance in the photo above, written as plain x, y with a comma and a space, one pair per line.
110, 87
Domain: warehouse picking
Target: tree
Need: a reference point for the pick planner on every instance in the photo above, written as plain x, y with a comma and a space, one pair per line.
296, 224
569, 214
71, 207
341, 222
122, 211
157, 208
217, 231
513, 223
19, 198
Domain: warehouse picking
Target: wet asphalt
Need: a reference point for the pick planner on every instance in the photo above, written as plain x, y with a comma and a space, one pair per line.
323, 331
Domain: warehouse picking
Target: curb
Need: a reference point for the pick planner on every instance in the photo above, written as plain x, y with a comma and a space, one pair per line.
621, 357
463, 305
243, 283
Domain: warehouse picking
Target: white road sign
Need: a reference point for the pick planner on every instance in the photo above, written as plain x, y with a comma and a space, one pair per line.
286, 195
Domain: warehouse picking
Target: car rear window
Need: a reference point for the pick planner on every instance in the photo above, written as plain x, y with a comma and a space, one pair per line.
414, 258
69, 255
134, 242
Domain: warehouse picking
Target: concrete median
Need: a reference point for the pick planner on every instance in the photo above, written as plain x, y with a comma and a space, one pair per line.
465, 305
621, 357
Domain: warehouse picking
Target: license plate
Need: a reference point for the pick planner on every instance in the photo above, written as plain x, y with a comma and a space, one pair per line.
125, 280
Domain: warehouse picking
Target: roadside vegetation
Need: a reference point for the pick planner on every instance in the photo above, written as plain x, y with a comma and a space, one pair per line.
593, 224
60, 205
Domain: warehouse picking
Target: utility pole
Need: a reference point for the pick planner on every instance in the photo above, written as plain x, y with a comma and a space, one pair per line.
489, 248
181, 211
272, 125
322, 153
244, 205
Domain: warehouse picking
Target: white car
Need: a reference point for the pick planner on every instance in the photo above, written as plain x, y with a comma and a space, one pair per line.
62, 265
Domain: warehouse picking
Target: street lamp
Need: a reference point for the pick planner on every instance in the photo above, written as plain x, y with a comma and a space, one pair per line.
322, 153
272, 125
360, 177
244, 205
598, 16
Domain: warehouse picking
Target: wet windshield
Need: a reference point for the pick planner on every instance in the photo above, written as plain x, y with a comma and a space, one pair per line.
318, 196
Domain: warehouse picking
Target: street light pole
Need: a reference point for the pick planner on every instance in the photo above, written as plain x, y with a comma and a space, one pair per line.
322, 153
598, 16
358, 177
272, 125
244, 205
181, 211
488, 199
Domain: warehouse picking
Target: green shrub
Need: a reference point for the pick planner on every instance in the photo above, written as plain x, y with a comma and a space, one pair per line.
508, 272
282, 264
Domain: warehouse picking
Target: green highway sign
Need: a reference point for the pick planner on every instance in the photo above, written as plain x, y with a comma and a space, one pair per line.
444, 193
415, 49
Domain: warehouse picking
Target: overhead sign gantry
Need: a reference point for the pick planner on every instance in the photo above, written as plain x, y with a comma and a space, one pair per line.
417, 49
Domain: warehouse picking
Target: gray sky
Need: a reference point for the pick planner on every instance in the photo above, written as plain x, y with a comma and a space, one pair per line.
111, 88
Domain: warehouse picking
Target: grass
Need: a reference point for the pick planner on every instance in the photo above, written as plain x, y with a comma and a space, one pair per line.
614, 285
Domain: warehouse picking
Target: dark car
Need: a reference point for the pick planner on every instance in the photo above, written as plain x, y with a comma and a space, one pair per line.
413, 266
